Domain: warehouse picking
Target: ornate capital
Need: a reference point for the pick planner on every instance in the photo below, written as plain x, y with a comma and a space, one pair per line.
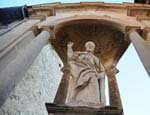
130, 29
35, 30
145, 32
50, 29
66, 68
112, 68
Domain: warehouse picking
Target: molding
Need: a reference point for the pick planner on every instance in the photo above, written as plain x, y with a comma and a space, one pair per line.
138, 11
41, 18
143, 18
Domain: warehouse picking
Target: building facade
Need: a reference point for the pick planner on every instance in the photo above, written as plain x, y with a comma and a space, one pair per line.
33, 54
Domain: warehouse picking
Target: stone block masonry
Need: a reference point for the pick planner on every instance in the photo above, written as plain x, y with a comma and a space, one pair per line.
39, 85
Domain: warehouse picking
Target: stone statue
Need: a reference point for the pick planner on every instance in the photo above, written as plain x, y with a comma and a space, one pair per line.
88, 75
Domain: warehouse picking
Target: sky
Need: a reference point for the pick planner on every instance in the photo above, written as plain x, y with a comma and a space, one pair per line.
133, 81
134, 84
9, 3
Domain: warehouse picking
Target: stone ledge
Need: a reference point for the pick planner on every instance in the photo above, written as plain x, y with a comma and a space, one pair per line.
80, 110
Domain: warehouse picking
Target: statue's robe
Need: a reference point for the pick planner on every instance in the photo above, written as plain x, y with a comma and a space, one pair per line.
88, 75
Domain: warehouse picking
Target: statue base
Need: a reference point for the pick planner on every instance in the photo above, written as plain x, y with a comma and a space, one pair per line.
62, 109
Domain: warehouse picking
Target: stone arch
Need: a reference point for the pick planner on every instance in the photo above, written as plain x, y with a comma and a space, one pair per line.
111, 23
107, 20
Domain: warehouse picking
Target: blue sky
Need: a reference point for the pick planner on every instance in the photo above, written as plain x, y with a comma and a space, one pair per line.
133, 81
9, 3
134, 84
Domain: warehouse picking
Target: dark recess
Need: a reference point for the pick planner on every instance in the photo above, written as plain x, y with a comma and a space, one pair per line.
141, 1
11, 14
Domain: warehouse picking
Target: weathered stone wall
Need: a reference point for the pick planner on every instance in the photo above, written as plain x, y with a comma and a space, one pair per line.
38, 86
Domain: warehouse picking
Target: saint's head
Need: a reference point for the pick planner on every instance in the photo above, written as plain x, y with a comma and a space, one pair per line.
90, 46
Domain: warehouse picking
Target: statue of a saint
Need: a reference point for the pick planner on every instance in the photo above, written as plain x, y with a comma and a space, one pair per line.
88, 75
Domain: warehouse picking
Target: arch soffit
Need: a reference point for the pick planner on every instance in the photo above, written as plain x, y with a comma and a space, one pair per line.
116, 23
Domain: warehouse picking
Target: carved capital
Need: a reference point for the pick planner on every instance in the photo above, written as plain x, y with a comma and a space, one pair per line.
112, 68
50, 29
130, 29
145, 32
66, 68
35, 30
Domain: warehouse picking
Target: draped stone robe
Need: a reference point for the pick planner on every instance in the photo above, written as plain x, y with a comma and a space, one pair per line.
88, 80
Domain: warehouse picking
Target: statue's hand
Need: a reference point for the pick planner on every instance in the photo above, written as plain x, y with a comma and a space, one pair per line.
70, 44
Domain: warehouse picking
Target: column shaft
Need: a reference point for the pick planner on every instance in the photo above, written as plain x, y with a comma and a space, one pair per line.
142, 49
13, 73
61, 94
114, 95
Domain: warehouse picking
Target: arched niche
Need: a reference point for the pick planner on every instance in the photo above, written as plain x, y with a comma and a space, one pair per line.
107, 34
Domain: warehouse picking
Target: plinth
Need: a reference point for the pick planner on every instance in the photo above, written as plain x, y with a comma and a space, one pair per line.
62, 109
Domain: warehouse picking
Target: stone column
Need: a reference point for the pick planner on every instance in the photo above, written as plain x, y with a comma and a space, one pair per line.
13, 73
142, 47
61, 94
114, 95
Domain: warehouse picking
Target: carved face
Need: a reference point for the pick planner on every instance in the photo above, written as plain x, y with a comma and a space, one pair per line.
90, 46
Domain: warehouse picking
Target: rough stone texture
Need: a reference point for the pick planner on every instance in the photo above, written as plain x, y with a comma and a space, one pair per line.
38, 86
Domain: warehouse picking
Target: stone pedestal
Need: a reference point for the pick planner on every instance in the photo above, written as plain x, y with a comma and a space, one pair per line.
57, 109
